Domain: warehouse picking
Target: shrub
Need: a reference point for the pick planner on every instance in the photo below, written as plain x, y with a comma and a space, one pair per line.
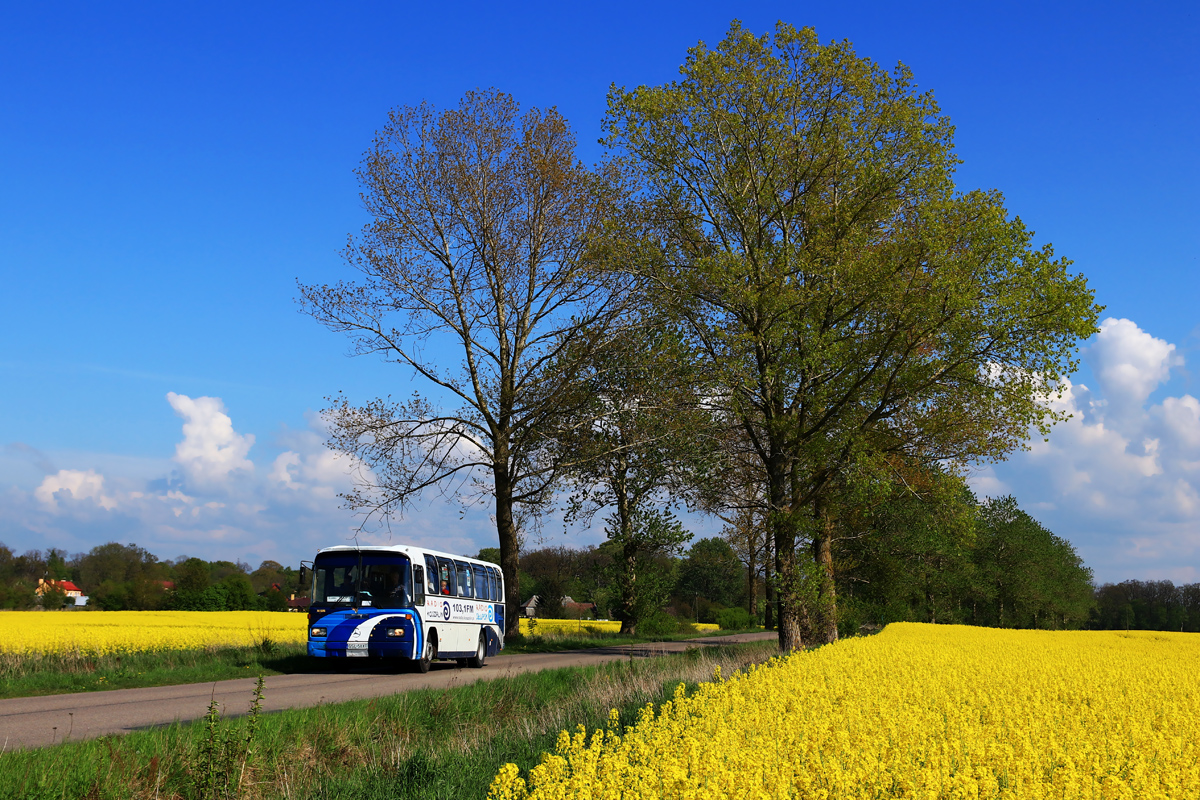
733, 619
660, 623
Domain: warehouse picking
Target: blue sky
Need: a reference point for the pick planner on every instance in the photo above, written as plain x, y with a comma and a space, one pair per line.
167, 172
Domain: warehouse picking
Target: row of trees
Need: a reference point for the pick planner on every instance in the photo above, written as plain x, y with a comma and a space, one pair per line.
119, 577
920, 558
769, 301
692, 584
1147, 605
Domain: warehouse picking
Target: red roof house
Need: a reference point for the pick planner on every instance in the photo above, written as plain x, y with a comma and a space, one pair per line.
66, 587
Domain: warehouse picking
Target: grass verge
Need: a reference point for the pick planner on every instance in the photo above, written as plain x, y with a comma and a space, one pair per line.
25, 675
423, 744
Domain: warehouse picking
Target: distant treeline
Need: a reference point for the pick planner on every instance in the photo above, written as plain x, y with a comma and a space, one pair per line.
948, 559
119, 577
941, 558
1147, 606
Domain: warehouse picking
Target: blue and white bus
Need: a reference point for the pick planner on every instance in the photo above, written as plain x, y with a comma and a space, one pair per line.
405, 602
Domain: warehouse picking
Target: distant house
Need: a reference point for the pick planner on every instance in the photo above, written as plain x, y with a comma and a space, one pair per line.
578, 610
573, 609
297, 603
529, 607
69, 589
66, 587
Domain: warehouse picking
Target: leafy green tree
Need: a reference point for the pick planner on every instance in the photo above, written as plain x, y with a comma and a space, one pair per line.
551, 575
274, 600
1027, 576
491, 554
56, 565
642, 572
192, 576
110, 595
634, 444
799, 216
481, 220
117, 562
1147, 605
238, 593
908, 554
268, 573
711, 570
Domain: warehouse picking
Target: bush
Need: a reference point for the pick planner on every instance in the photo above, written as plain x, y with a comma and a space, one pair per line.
733, 619
660, 623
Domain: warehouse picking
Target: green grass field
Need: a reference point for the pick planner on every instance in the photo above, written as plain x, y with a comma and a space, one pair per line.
421, 744
33, 675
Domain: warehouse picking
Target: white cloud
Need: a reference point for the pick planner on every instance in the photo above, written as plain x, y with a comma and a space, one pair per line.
1121, 478
1130, 363
1181, 417
73, 484
211, 449
212, 501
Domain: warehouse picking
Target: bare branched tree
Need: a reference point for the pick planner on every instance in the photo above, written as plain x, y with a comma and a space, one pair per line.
472, 274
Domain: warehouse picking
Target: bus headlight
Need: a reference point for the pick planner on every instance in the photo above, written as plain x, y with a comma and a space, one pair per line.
395, 633
318, 633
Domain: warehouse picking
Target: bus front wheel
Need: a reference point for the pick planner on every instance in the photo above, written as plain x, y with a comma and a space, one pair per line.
476, 661
427, 655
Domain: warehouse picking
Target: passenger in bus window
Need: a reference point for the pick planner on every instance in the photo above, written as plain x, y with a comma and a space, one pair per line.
446, 571
393, 586
344, 580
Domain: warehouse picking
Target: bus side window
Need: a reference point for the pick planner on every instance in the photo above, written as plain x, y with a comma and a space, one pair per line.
499, 576
481, 592
491, 584
418, 585
464, 580
446, 576
431, 575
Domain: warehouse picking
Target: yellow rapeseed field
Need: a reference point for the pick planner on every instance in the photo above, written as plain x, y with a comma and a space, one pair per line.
553, 627
918, 711
99, 632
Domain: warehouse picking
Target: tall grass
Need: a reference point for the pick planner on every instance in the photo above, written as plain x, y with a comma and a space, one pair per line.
422, 744
31, 674
72, 670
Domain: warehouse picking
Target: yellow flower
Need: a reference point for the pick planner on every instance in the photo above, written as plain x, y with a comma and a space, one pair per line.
918, 711
100, 632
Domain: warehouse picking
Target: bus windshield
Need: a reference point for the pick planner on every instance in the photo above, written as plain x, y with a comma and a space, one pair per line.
379, 580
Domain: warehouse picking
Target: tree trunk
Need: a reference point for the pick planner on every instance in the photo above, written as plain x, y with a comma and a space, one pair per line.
751, 580
783, 530
628, 613
510, 550
769, 609
789, 607
825, 625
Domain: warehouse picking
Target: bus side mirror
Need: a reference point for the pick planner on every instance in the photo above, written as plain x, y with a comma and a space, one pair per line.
303, 587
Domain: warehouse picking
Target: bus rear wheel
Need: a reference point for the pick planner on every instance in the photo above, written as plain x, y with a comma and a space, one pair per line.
476, 661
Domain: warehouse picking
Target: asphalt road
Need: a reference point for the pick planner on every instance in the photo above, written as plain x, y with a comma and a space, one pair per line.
27, 722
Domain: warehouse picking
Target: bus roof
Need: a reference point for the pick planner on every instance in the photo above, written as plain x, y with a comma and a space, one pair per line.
410, 550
